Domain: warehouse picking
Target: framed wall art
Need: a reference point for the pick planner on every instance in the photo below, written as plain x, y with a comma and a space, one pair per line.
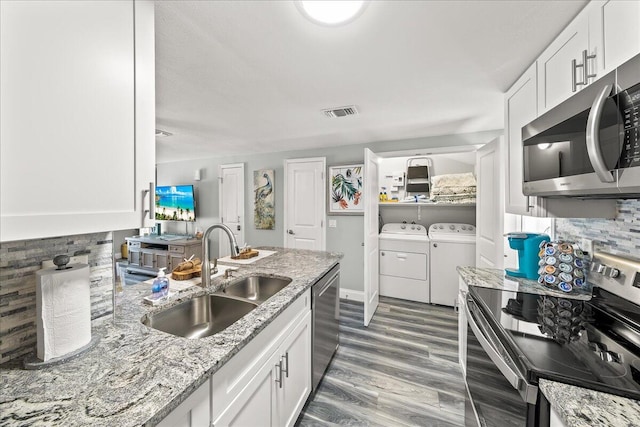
345, 190
264, 211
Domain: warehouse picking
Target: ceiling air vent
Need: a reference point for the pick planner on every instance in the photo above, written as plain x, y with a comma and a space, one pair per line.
341, 111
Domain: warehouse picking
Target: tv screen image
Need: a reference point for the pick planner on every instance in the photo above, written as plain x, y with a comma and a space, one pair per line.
175, 203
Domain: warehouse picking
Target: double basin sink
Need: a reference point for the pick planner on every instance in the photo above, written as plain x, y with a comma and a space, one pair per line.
209, 314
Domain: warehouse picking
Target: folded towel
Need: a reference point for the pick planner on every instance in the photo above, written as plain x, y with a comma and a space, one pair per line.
454, 180
453, 190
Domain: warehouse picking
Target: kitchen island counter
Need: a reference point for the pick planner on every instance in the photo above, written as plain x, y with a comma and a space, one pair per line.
135, 375
581, 407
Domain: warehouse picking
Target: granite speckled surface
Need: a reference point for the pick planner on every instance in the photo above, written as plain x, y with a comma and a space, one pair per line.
494, 278
580, 407
136, 375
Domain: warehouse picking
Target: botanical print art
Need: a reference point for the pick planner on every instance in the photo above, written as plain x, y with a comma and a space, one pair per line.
264, 215
345, 192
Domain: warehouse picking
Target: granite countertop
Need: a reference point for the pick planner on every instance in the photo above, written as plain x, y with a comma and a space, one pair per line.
494, 278
581, 407
135, 375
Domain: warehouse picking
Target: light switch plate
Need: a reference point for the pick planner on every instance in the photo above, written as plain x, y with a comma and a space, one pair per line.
78, 259
333, 223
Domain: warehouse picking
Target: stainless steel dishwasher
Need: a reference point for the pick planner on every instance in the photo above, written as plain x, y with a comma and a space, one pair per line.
325, 305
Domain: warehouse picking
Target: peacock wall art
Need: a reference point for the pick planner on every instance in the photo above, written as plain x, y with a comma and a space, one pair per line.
346, 189
264, 216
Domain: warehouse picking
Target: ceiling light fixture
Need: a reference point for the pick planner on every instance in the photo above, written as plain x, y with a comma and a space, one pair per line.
544, 145
331, 12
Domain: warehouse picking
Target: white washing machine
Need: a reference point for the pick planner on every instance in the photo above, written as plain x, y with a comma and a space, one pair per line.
404, 262
452, 245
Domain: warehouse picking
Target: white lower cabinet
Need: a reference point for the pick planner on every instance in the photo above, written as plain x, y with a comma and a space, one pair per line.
193, 412
268, 382
462, 326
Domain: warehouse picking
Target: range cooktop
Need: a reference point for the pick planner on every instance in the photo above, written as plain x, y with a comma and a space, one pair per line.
593, 344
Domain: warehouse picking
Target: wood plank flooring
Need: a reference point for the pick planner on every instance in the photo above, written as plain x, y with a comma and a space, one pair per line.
401, 370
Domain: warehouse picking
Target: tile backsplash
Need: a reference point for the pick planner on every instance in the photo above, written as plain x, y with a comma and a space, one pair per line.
19, 262
620, 235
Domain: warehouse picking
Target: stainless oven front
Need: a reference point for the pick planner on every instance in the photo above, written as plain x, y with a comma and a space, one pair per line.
499, 392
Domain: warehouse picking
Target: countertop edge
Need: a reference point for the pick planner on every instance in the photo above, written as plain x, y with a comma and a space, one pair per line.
581, 407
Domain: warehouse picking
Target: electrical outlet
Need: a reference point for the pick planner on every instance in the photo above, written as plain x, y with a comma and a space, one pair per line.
333, 223
77, 259
587, 246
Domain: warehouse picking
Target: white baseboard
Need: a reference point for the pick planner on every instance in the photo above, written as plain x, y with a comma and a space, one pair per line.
352, 295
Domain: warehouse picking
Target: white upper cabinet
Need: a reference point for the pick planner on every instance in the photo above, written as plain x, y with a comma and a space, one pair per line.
561, 69
78, 114
603, 36
520, 108
615, 26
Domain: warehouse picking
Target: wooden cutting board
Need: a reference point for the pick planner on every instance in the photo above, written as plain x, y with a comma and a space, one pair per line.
187, 274
247, 255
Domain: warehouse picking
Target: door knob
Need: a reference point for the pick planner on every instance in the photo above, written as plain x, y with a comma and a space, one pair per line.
290, 232
435, 245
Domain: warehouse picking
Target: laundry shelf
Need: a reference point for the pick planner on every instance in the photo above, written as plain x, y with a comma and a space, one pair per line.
434, 204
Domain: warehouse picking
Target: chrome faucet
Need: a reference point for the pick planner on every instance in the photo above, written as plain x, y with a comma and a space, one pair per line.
206, 265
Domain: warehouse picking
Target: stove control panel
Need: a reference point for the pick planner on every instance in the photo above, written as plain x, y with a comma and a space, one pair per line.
617, 274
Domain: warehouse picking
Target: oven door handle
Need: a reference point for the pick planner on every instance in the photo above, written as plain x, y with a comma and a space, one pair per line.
516, 380
593, 137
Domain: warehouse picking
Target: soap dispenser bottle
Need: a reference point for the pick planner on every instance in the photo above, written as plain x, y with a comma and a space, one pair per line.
160, 287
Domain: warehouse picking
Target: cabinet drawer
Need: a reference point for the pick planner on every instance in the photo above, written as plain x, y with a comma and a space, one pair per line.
176, 249
403, 264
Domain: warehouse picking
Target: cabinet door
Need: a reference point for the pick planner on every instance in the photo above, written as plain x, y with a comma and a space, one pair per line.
174, 261
162, 261
615, 24
295, 354
520, 108
193, 412
72, 158
134, 257
255, 405
462, 334
555, 70
147, 259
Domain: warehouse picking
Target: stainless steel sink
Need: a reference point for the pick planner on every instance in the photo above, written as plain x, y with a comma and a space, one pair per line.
257, 288
200, 317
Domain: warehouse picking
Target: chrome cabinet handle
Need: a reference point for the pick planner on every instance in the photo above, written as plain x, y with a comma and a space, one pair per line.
574, 81
290, 232
435, 245
279, 379
151, 200
593, 137
381, 253
286, 359
585, 69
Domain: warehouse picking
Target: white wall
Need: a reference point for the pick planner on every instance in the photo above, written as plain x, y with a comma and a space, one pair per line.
347, 237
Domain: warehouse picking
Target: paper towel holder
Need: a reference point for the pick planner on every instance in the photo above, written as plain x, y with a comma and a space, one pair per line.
61, 262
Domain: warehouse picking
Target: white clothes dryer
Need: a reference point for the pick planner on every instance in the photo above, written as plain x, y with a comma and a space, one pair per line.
404, 262
452, 245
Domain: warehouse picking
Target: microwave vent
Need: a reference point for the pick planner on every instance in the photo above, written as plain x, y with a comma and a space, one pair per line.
341, 111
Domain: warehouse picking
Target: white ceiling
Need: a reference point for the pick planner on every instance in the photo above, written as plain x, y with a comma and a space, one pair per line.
244, 77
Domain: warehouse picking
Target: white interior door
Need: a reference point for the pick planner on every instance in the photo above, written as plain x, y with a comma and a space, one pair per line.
371, 274
490, 206
231, 191
305, 203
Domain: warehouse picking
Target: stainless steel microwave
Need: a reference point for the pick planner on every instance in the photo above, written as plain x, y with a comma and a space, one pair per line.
588, 146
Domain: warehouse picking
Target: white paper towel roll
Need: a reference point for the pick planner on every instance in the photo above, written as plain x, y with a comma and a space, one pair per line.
63, 306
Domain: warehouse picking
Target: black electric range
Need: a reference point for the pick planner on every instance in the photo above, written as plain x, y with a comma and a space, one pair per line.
516, 338
577, 342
